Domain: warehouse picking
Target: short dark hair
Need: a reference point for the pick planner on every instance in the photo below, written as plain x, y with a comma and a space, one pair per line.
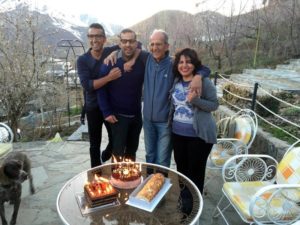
97, 26
187, 52
127, 30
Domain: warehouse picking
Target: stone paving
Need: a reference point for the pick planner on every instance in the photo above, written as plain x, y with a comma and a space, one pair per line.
55, 163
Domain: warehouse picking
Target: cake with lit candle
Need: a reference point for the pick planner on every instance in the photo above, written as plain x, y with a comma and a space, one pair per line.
126, 175
99, 192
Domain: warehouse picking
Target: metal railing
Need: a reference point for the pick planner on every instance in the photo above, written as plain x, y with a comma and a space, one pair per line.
252, 101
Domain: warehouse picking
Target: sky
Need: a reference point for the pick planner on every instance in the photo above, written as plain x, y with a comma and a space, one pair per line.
130, 12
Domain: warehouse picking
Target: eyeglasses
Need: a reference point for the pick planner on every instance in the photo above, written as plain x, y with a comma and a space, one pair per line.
130, 41
95, 36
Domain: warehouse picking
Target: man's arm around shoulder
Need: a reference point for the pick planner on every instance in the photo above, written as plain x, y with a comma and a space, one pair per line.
106, 75
196, 84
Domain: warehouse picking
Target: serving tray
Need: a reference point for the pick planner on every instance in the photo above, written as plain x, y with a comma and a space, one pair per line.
143, 204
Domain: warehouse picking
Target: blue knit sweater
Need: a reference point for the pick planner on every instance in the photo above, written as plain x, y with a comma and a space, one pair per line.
159, 79
88, 71
123, 95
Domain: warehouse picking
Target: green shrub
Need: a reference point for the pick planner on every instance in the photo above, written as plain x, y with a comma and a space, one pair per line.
278, 133
287, 96
73, 111
270, 103
290, 111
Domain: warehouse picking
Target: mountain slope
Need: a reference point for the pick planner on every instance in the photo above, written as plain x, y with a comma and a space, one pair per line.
61, 20
183, 28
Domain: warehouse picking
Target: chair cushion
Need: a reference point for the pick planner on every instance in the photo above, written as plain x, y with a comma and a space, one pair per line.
5, 148
219, 155
288, 170
240, 194
243, 129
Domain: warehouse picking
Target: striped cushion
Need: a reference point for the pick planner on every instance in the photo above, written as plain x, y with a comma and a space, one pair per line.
240, 194
288, 171
243, 129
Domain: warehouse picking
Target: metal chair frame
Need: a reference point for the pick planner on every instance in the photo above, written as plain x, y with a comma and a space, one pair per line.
233, 146
255, 167
6, 138
6, 134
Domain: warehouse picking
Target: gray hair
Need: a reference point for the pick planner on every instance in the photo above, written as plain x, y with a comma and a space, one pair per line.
164, 33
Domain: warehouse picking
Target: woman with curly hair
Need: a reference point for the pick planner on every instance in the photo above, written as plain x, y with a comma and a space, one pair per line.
193, 126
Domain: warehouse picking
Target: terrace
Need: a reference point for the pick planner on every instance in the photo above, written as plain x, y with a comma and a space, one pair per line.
53, 163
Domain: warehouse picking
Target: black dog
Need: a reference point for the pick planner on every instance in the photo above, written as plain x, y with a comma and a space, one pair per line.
15, 169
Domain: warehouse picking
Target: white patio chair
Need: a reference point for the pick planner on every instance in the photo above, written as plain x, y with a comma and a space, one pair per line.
261, 190
6, 139
237, 135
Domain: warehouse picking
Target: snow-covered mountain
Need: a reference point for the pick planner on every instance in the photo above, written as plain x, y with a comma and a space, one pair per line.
72, 23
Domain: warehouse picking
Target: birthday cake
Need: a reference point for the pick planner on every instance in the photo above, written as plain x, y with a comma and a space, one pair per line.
126, 175
99, 192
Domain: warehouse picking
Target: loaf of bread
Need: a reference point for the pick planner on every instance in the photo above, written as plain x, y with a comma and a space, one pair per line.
152, 187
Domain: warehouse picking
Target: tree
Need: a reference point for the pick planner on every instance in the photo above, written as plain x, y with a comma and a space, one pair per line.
23, 60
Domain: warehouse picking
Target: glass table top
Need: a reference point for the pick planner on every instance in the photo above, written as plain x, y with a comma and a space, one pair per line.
182, 203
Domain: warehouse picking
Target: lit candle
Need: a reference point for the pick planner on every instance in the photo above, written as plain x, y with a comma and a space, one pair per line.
126, 172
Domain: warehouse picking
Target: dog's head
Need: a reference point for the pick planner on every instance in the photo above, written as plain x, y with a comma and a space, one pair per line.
13, 169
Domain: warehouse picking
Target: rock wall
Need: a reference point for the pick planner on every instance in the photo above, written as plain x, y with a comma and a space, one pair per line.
264, 143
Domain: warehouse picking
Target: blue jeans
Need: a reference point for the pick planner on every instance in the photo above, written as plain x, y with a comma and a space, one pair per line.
157, 143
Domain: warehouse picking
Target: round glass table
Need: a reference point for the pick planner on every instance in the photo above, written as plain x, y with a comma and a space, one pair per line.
182, 203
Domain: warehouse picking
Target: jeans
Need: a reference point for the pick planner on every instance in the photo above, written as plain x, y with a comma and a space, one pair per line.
126, 134
95, 121
157, 142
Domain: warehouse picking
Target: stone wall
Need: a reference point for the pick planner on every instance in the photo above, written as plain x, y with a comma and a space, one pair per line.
264, 143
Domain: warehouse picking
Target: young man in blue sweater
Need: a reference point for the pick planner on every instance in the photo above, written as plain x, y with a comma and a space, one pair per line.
88, 66
120, 100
